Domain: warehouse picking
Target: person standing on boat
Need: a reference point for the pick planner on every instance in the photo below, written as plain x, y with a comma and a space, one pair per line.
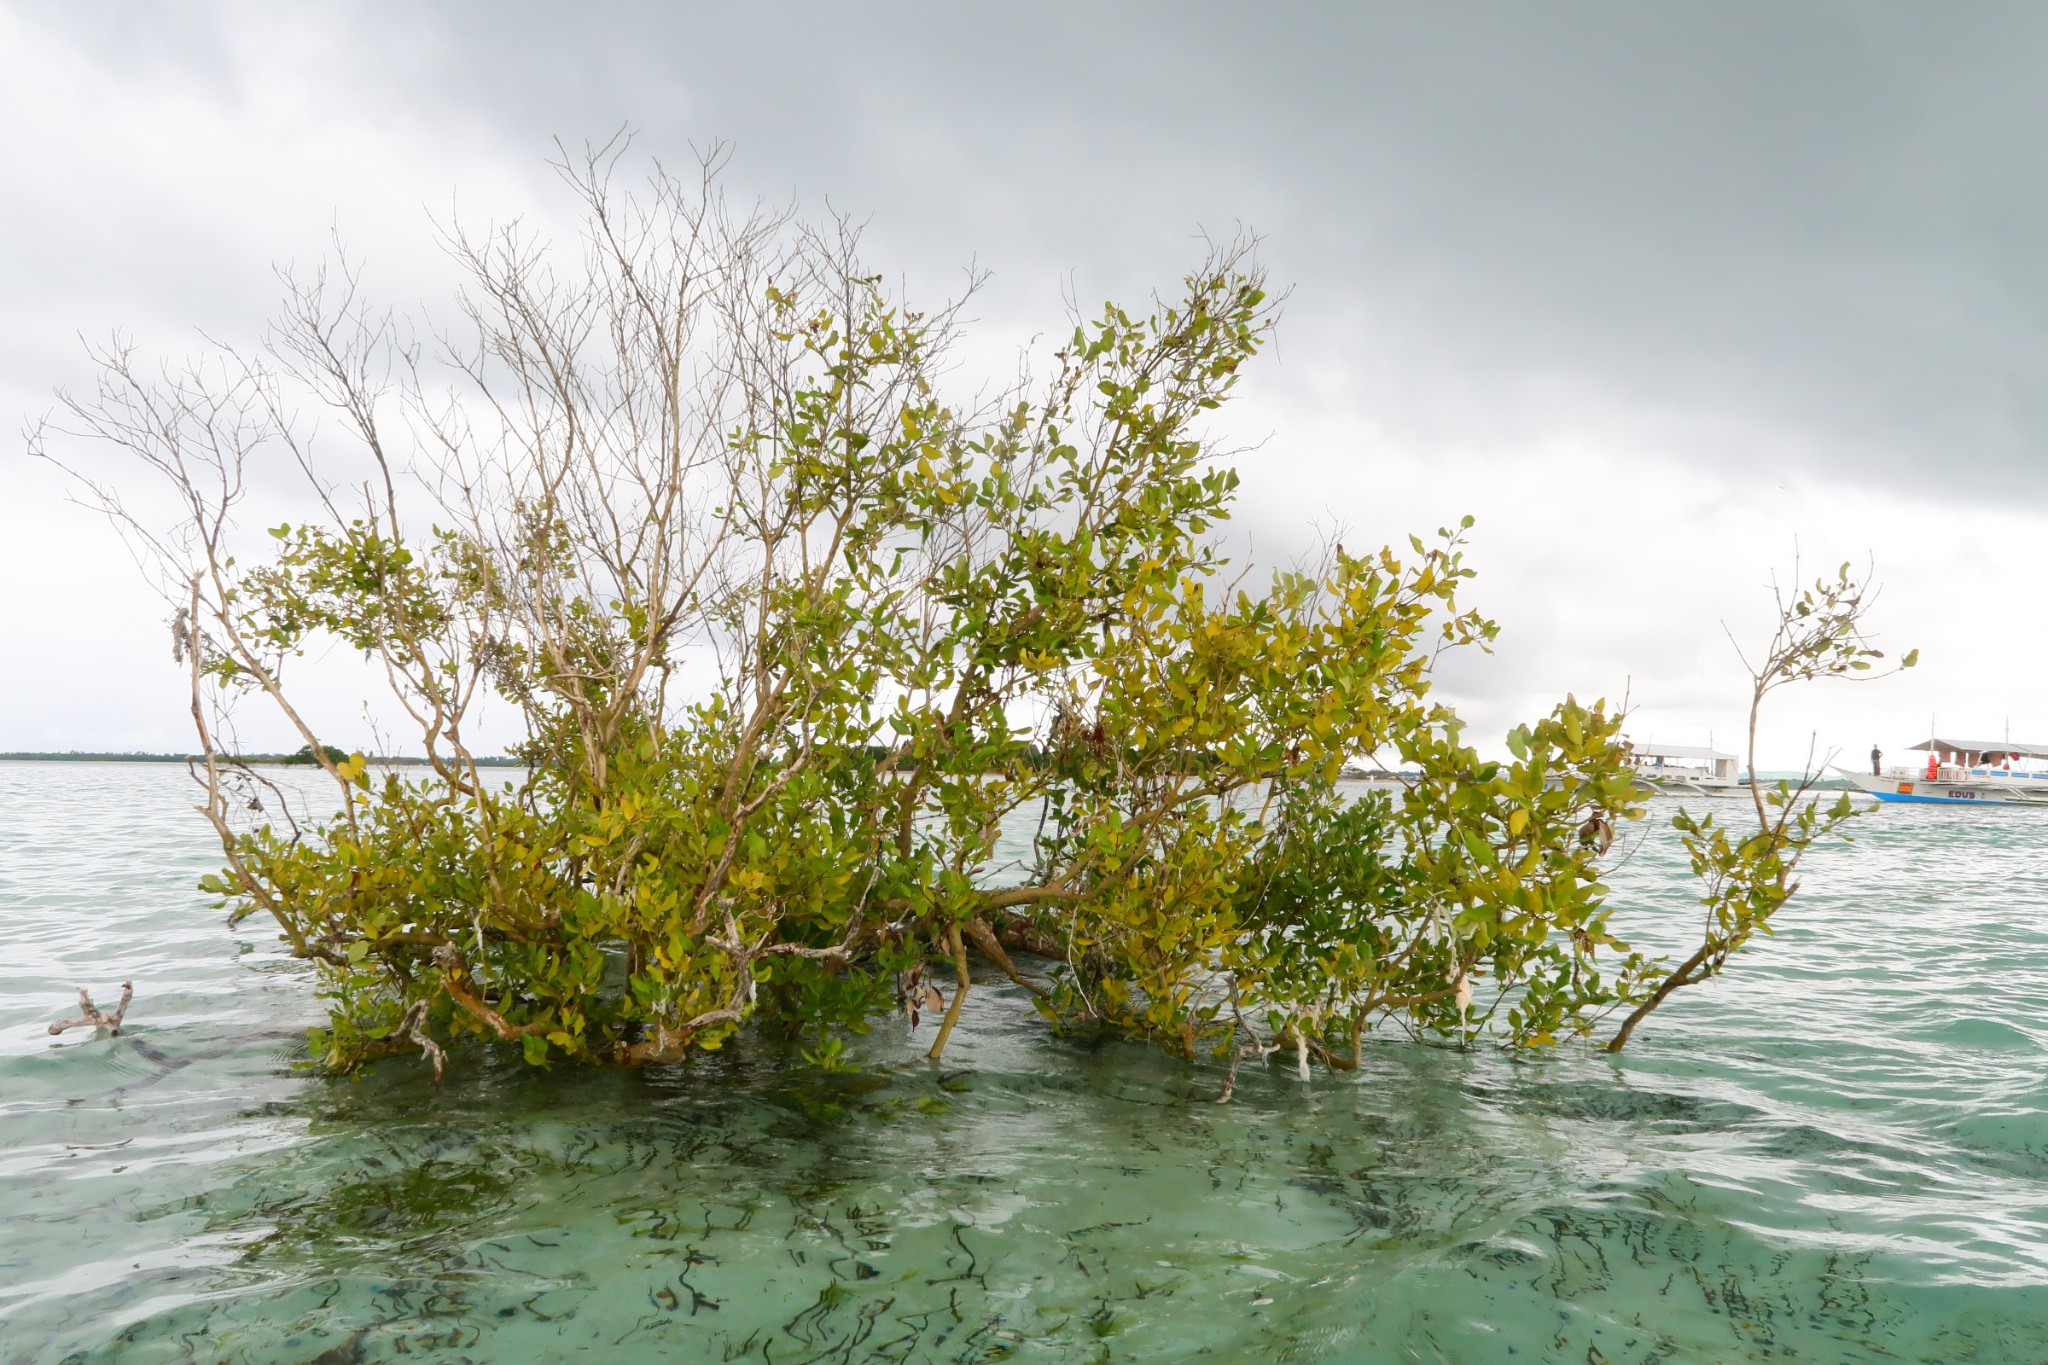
1876, 761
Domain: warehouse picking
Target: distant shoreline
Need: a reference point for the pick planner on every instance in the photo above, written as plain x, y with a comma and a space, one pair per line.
281, 760
296, 761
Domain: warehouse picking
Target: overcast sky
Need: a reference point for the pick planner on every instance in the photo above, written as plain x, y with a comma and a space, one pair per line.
1655, 291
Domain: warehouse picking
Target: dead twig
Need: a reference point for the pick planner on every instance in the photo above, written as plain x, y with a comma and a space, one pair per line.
91, 1014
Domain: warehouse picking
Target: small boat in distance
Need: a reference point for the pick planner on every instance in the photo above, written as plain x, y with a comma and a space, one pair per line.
1683, 770
1979, 772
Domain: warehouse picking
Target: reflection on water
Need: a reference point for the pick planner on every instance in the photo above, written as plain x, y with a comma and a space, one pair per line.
1840, 1154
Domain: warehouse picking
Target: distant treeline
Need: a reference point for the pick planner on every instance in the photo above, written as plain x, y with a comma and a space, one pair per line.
75, 756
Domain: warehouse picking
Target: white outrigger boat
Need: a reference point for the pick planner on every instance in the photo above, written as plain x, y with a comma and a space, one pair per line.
1683, 770
1979, 772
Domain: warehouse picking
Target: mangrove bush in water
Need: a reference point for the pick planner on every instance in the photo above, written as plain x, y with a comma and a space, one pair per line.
791, 629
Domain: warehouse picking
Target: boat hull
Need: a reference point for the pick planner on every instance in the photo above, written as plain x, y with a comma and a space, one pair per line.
1657, 785
1968, 791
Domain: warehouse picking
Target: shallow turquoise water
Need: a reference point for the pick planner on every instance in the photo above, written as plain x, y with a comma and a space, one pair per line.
1840, 1153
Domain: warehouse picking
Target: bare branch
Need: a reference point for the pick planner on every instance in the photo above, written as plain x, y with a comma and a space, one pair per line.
90, 1014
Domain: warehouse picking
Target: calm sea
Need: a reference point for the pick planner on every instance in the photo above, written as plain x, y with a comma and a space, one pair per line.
1839, 1153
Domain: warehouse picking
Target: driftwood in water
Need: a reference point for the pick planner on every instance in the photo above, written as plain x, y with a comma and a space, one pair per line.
91, 1014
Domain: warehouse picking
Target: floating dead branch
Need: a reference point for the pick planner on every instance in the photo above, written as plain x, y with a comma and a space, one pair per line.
90, 1013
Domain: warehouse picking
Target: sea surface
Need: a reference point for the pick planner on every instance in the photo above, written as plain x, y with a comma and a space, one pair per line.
1839, 1152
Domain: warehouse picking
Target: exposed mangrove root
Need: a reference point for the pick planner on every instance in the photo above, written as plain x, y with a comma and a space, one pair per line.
992, 948
959, 948
1691, 972
91, 1014
1253, 1049
1335, 1062
664, 1044
1016, 931
431, 1050
453, 969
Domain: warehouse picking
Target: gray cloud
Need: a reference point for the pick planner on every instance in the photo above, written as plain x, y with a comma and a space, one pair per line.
1547, 259
1829, 218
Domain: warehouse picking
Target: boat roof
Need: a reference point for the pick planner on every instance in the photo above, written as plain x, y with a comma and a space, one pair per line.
1985, 746
1676, 751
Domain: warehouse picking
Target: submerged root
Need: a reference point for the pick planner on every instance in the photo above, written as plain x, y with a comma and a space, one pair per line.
431, 1050
959, 948
1251, 1049
991, 948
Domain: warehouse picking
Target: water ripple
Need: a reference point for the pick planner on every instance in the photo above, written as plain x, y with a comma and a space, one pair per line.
1838, 1153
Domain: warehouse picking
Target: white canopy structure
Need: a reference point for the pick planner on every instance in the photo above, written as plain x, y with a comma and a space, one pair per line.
1681, 751
1683, 763
1972, 751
